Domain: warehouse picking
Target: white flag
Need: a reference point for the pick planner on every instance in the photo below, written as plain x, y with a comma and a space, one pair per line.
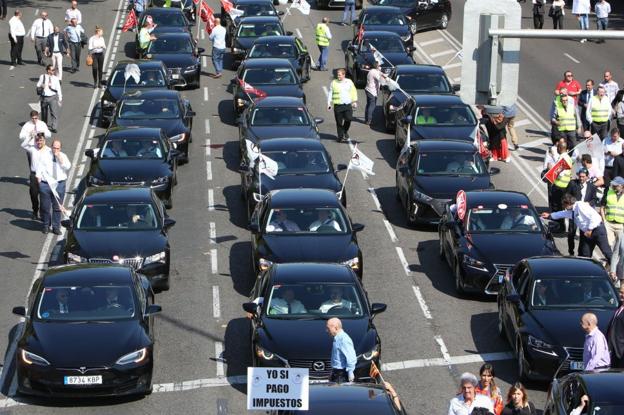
391, 83
253, 152
361, 162
235, 13
133, 70
268, 166
378, 56
302, 5
593, 146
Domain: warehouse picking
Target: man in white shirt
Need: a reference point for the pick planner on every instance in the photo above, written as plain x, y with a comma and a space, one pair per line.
73, 13
335, 301
468, 399
39, 32
16, 37
325, 218
51, 98
217, 37
287, 304
30, 129
36, 151
51, 173
610, 86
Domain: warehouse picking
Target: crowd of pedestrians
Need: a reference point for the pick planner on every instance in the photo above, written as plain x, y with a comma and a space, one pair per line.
581, 9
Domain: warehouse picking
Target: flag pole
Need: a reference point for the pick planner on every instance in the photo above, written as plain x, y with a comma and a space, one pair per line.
197, 19
259, 171
344, 182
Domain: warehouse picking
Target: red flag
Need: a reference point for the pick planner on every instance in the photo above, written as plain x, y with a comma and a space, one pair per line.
552, 174
204, 11
210, 21
360, 33
131, 21
227, 5
248, 89
196, 2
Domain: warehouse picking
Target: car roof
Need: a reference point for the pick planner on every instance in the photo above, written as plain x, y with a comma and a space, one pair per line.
152, 94
277, 101
491, 197
445, 145
87, 274
381, 9
114, 194
439, 100
553, 266
141, 63
368, 398
293, 273
379, 33
297, 198
419, 68
604, 387
132, 132
274, 39
267, 62
161, 10
259, 19
290, 144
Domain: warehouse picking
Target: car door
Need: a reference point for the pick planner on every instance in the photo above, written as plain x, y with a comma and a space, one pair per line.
518, 308
187, 110
258, 218
350, 56
403, 171
402, 125
172, 160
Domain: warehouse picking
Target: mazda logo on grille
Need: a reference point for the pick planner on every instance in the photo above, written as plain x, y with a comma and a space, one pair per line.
128, 178
318, 366
82, 370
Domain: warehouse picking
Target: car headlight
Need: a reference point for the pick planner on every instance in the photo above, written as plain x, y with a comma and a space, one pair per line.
370, 355
240, 102
160, 180
107, 103
33, 359
237, 50
264, 354
421, 197
264, 264
178, 137
191, 68
365, 66
537, 343
159, 257
75, 259
257, 197
392, 107
474, 263
354, 263
134, 357
406, 37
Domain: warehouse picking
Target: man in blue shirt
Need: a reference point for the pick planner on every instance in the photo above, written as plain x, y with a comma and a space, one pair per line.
343, 358
74, 33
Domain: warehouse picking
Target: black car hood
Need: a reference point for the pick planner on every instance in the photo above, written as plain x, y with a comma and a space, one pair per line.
508, 247
256, 134
244, 43
400, 30
170, 29
175, 60
454, 133
276, 91
561, 327
312, 248
71, 345
307, 339
125, 244
395, 58
170, 127
446, 187
132, 170
293, 181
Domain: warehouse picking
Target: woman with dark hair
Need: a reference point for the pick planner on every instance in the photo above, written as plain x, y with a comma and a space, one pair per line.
487, 387
497, 134
618, 109
518, 401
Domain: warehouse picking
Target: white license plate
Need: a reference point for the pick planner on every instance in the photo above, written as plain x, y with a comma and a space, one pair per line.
175, 76
83, 380
577, 365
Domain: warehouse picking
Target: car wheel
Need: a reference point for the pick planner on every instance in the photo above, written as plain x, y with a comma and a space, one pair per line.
162, 285
413, 27
441, 249
412, 218
522, 365
444, 21
459, 280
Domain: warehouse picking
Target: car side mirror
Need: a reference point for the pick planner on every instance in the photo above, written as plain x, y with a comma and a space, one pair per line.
168, 223
377, 308
407, 119
319, 120
66, 223
289, 33
199, 51
152, 309
253, 227
280, 13
513, 298
494, 171
456, 87
351, 48
244, 169
341, 167
190, 114
19, 311
89, 153
552, 226
251, 308
357, 227
410, 49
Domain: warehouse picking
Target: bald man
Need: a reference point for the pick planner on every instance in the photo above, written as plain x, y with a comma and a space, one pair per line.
343, 358
595, 350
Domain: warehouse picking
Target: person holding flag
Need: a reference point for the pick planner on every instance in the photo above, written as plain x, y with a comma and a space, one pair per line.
558, 173
217, 37
51, 174
373, 80
145, 37
343, 98
323, 36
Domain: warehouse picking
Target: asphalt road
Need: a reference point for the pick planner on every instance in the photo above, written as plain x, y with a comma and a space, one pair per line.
429, 335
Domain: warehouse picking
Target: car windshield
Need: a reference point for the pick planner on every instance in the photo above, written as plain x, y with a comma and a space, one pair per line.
271, 76
424, 83
312, 220
259, 29
382, 44
86, 303
152, 108
503, 218
295, 116
167, 19
445, 116
299, 161
384, 19
583, 292
117, 216
450, 163
306, 300
150, 78
136, 148
273, 50
397, 3
257, 9
171, 45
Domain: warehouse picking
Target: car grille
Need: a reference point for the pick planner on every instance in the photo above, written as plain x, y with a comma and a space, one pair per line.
496, 281
135, 263
128, 183
575, 355
312, 366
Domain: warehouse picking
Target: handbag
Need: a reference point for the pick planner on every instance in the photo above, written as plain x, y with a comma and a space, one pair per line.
555, 11
39, 91
89, 60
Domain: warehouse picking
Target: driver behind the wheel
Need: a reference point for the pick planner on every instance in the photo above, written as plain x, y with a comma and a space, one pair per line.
287, 304
112, 298
517, 218
335, 301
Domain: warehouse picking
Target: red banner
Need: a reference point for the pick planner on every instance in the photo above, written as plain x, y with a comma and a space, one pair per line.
460, 201
360, 33
248, 89
552, 174
227, 5
205, 11
131, 21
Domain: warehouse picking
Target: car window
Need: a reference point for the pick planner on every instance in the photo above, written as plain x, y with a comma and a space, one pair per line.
321, 220
149, 78
270, 76
273, 50
397, 3
143, 148
117, 216
86, 303
160, 108
259, 29
171, 45
299, 161
573, 292
295, 116
257, 9
384, 19
168, 19
310, 299
421, 83
382, 44
444, 116
450, 163
503, 218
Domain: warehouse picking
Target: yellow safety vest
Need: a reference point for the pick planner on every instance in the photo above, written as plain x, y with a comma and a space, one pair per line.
335, 92
567, 119
614, 209
600, 109
422, 120
321, 35
144, 38
563, 180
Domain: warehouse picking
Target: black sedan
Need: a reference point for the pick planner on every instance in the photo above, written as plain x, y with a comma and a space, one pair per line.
359, 55
431, 172
292, 303
187, 6
274, 77
488, 235
303, 225
540, 305
125, 225
158, 108
603, 388
277, 117
326, 4
301, 163
154, 75
422, 14
248, 30
134, 157
285, 47
89, 331
383, 18
414, 80
435, 116
250, 8
181, 56
166, 19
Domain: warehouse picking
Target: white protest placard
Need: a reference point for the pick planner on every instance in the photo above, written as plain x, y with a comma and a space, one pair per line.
277, 388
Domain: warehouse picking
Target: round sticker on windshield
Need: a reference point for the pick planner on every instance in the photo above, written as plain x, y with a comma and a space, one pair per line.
502, 206
45, 315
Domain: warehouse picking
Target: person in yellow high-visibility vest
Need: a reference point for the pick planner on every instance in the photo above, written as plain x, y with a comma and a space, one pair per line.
598, 113
612, 209
567, 120
557, 190
323, 36
343, 98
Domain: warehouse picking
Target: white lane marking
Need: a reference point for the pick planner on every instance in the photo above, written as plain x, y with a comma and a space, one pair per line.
455, 360
445, 354
112, 60
114, 49
522, 123
421, 301
210, 200
214, 268
213, 233
116, 42
216, 302
451, 66
432, 41
540, 142
208, 149
204, 61
80, 170
572, 58
207, 125
209, 170
298, 32
219, 359
443, 53
393, 236
203, 35
206, 93
375, 198
403, 260
91, 133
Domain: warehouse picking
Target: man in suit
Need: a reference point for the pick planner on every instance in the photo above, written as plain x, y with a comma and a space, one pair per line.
583, 99
583, 190
62, 301
57, 47
615, 334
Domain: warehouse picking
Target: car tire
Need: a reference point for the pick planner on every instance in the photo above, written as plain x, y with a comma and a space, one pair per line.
444, 21
169, 202
459, 280
441, 253
162, 285
412, 219
397, 146
343, 198
413, 27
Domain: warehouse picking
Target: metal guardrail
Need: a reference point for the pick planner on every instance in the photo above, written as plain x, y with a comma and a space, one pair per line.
556, 34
